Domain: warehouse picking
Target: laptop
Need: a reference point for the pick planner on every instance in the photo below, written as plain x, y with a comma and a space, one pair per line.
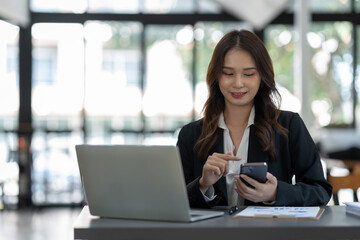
136, 182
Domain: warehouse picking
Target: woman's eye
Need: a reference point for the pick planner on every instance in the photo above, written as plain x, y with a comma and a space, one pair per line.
249, 75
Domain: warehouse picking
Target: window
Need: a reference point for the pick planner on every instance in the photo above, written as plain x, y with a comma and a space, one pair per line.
208, 6
330, 6
357, 80
331, 89
113, 95
331, 49
44, 65
58, 76
168, 6
111, 6
326, 6
9, 112
122, 61
279, 40
57, 102
63, 6
9, 76
120, 74
167, 102
357, 5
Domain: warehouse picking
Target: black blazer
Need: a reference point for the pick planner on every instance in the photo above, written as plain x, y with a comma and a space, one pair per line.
296, 155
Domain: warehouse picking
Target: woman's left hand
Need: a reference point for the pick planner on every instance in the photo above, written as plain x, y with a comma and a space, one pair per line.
261, 192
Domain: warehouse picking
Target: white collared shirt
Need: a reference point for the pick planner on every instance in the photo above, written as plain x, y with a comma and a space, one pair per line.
234, 166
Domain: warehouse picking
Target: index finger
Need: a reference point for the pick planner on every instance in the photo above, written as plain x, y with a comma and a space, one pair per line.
227, 157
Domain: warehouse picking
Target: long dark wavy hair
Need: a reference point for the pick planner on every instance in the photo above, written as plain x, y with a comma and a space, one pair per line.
267, 100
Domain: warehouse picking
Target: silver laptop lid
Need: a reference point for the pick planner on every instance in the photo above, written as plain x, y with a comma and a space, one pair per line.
134, 181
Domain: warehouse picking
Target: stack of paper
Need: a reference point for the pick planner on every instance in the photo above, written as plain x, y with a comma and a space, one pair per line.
353, 208
310, 213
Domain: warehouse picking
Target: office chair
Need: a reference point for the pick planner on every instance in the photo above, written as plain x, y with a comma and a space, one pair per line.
350, 181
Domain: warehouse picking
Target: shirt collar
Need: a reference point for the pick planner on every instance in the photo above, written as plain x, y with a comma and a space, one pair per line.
222, 123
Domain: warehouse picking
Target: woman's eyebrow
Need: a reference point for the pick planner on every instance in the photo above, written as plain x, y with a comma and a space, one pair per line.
249, 68
228, 67
244, 69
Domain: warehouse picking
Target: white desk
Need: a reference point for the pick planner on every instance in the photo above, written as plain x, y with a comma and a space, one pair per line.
335, 223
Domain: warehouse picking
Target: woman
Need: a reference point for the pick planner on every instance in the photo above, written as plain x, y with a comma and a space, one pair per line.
242, 123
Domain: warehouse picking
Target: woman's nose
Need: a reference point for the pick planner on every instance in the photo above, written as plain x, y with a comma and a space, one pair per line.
239, 81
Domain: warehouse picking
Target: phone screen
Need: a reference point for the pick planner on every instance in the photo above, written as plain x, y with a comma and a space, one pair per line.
256, 171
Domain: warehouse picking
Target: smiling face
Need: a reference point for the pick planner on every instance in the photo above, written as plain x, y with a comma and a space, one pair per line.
239, 80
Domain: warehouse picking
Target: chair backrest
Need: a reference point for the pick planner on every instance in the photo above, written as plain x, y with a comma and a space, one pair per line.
351, 181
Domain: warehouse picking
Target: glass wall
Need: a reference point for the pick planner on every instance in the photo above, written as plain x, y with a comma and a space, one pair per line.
9, 76
168, 6
330, 6
279, 40
331, 95
64, 6
331, 47
57, 103
168, 99
110, 6
357, 5
326, 6
9, 111
357, 79
138, 81
113, 98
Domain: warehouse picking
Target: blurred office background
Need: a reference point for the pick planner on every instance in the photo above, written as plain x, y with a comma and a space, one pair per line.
133, 72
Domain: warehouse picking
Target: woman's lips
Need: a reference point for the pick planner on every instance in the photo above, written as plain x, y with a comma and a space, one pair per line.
238, 94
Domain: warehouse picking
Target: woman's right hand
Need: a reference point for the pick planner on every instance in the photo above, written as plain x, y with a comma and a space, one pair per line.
216, 166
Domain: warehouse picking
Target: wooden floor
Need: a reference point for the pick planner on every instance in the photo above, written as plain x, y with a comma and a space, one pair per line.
38, 224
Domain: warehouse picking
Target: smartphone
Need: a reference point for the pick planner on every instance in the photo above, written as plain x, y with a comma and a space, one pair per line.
256, 171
